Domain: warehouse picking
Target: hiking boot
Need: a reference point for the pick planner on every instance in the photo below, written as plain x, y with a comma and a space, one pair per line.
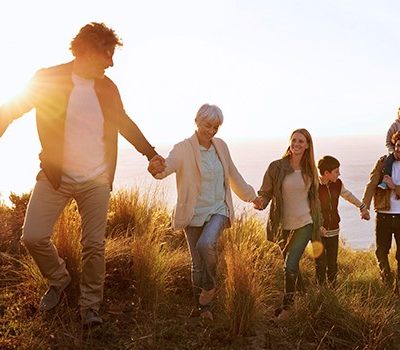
52, 297
90, 318
206, 296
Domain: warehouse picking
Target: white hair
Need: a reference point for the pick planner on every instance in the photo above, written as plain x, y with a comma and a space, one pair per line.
209, 113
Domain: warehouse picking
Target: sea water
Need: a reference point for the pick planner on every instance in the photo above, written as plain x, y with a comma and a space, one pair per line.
357, 156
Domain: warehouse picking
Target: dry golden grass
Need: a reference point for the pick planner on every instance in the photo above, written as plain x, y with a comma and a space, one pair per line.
148, 296
244, 275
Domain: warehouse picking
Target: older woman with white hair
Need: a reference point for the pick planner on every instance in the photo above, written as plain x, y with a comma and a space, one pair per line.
205, 174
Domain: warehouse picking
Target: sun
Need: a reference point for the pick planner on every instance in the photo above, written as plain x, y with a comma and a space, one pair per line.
19, 148
19, 145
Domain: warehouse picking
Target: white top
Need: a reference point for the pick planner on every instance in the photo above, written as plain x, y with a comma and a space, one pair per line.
394, 202
296, 209
211, 199
84, 150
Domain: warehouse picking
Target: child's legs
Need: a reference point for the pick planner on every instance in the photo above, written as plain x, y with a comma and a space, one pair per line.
332, 246
320, 264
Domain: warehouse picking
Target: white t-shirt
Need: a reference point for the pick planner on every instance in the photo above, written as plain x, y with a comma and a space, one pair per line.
84, 150
394, 202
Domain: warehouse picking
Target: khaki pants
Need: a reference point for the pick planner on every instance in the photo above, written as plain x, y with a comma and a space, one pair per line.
45, 206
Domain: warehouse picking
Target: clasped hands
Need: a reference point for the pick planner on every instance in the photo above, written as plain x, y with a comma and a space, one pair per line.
364, 213
258, 203
156, 165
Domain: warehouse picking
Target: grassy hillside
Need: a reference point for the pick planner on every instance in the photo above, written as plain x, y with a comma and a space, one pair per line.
148, 295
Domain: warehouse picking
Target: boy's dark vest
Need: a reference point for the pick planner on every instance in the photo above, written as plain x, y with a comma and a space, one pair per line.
329, 198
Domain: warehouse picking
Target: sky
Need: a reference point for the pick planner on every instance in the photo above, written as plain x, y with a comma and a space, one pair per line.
271, 66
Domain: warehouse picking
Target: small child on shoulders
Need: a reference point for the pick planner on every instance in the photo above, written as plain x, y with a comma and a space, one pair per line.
330, 189
387, 170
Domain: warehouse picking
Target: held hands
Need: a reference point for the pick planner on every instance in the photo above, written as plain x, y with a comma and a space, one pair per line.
364, 213
156, 165
322, 229
258, 203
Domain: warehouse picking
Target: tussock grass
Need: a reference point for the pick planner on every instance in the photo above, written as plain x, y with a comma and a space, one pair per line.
67, 236
133, 212
11, 220
21, 284
154, 260
147, 269
155, 269
245, 276
118, 254
358, 313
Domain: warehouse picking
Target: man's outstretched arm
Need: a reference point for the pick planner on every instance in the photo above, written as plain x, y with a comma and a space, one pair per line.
5, 121
18, 105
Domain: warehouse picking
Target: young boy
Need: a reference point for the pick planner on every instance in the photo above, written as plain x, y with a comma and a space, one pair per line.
387, 170
330, 189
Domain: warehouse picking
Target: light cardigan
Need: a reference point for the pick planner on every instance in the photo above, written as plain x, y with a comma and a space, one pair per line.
185, 160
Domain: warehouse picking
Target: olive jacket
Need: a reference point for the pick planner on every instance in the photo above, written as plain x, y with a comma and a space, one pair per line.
271, 191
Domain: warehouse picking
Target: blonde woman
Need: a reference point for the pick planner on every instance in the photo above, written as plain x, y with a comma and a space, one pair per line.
205, 175
291, 185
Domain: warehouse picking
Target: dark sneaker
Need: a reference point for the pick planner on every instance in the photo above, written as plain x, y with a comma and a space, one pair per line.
52, 297
90, 318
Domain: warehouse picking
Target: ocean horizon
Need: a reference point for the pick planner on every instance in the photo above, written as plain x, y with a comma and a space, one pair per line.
357, 156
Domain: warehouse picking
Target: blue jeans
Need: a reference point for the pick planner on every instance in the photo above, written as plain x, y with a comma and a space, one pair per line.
202, 243
295, 242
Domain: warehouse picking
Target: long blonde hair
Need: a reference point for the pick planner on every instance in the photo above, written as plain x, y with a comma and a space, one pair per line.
308, 168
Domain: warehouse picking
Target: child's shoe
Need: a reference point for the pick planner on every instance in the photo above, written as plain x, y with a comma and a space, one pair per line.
383, 186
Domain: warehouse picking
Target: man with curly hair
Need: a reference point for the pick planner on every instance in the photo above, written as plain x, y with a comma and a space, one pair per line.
79, 114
